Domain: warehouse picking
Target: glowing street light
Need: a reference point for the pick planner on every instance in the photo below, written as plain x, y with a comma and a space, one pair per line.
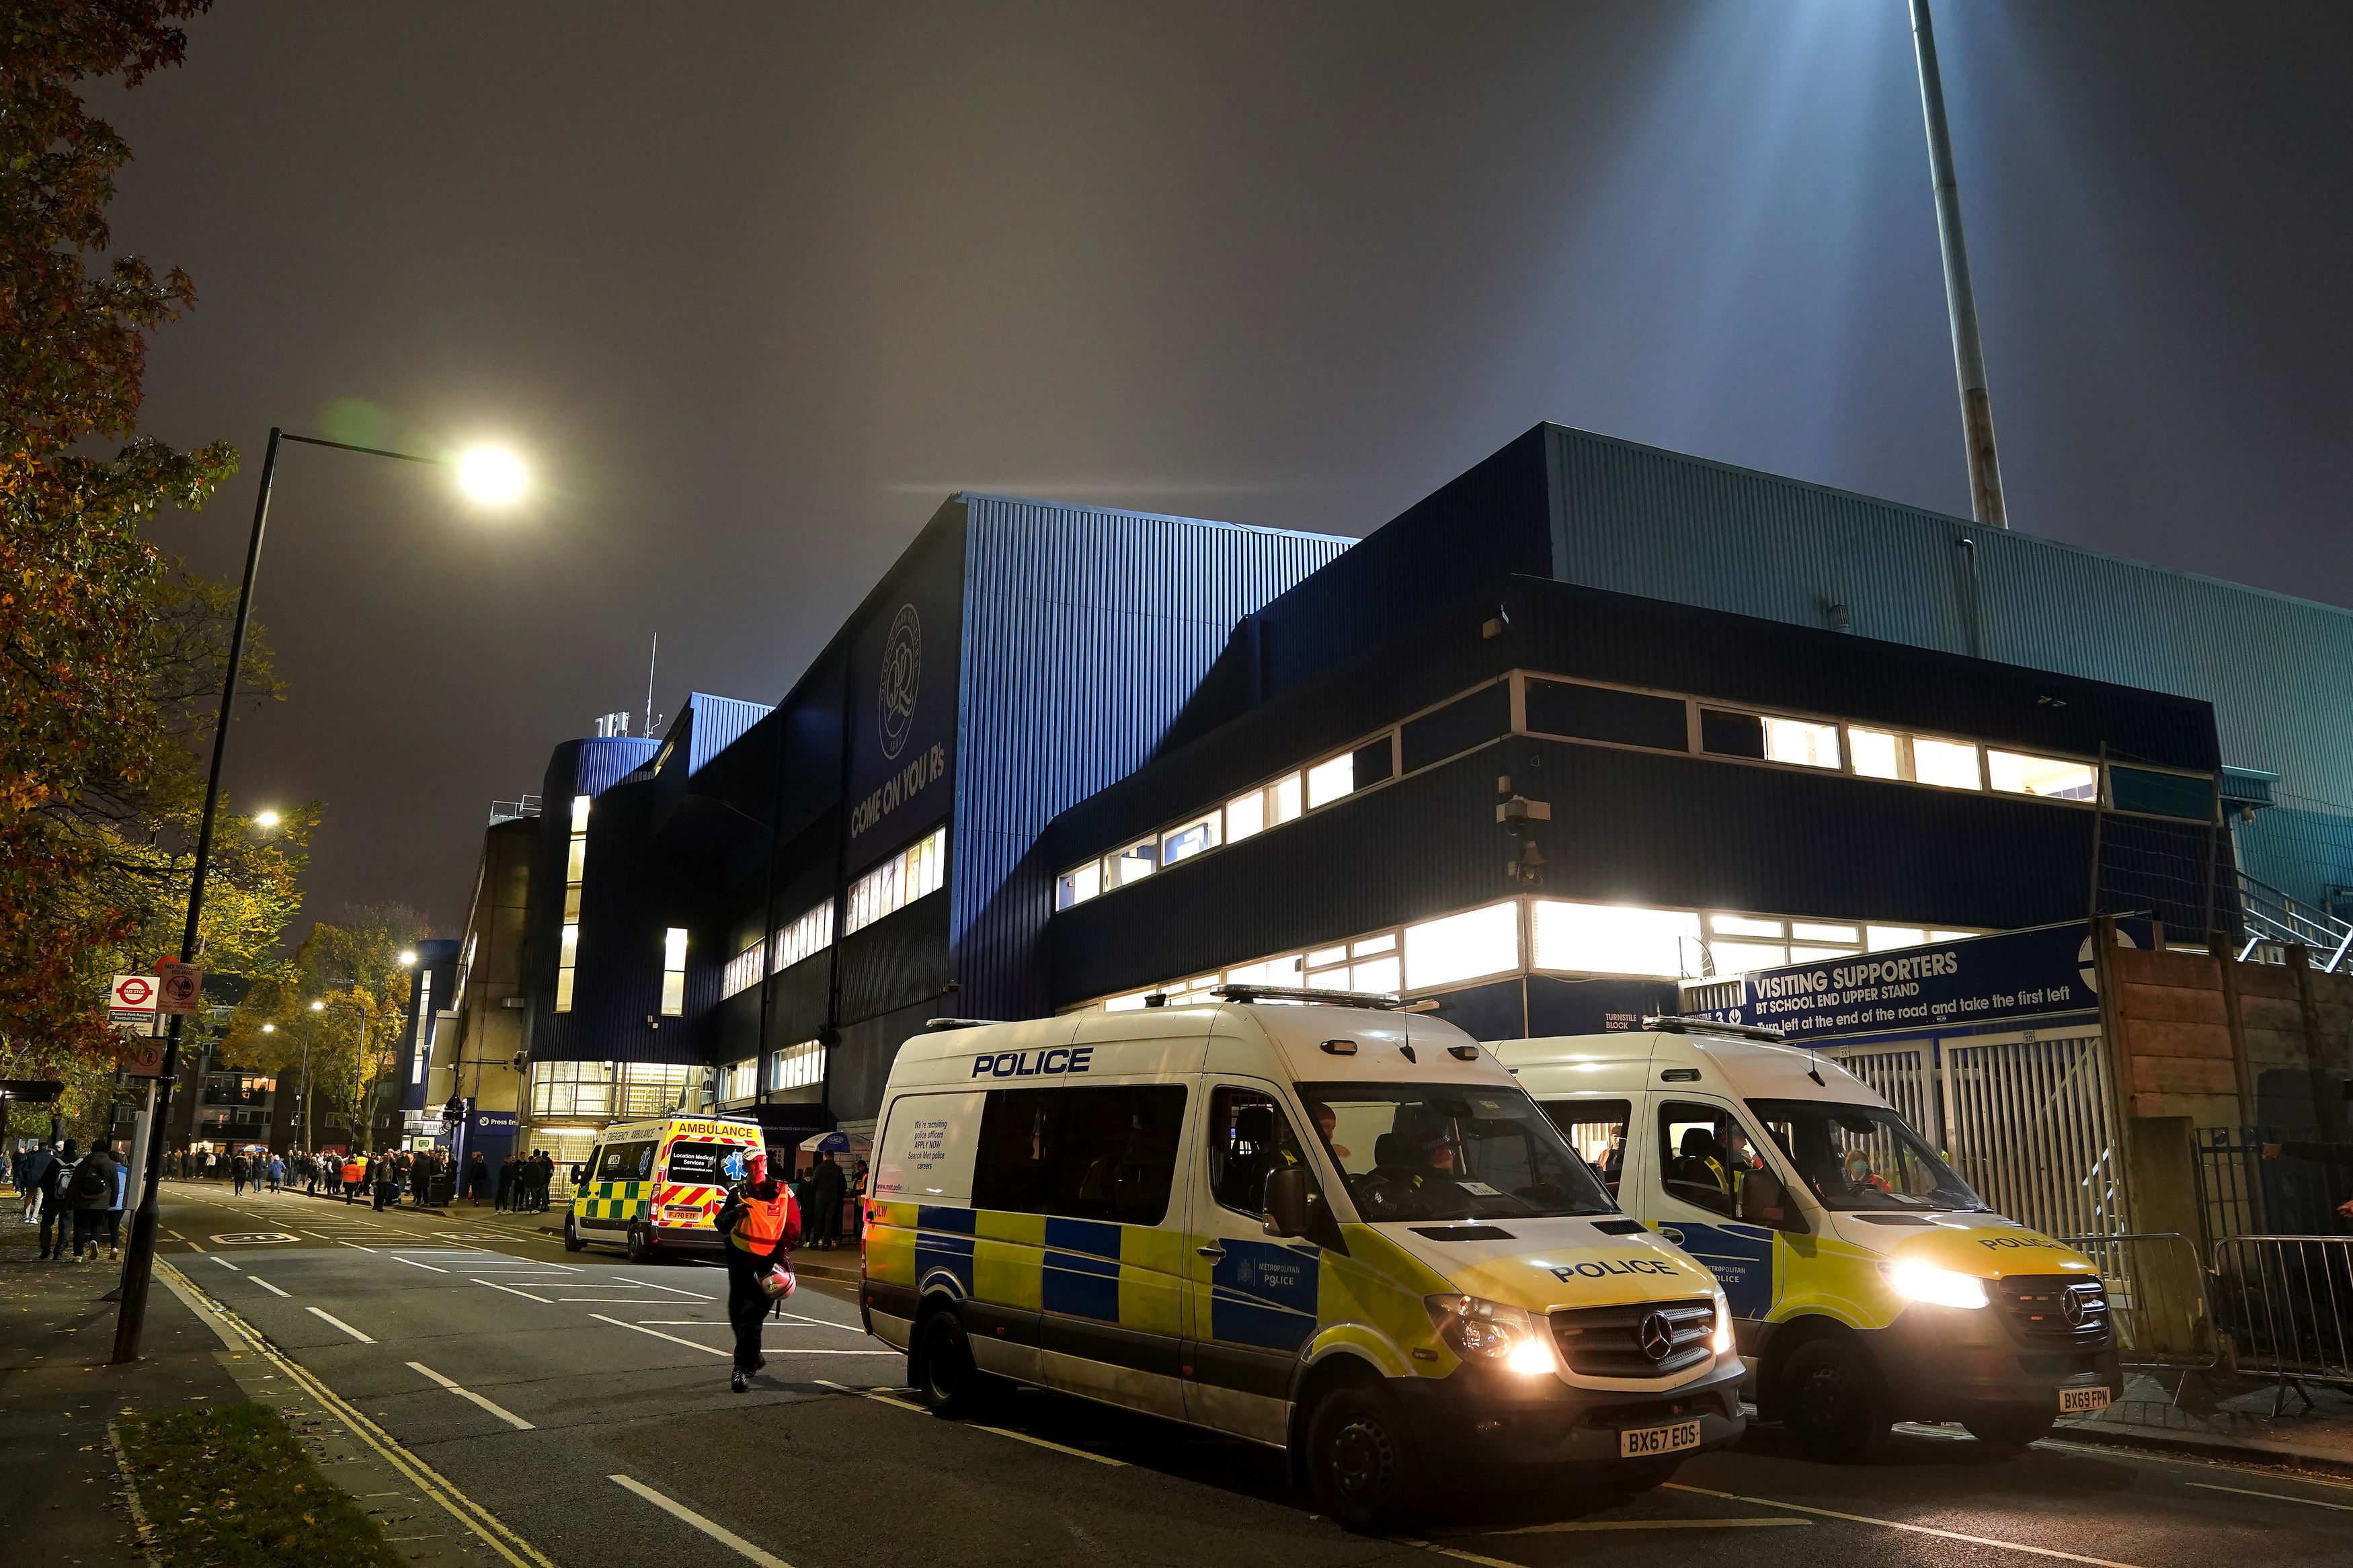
408, 958
487, 476
491, 476
266, 820
269, 1028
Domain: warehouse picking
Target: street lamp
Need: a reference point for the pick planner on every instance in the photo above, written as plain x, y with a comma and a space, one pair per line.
485, 475
407, 960
266, 820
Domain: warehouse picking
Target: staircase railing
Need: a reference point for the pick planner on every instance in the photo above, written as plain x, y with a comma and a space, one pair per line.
2275, 916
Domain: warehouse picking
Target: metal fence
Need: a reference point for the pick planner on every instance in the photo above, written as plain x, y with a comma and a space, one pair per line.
2256, 1181
2286, 1303
2158, 1298
2027, 1122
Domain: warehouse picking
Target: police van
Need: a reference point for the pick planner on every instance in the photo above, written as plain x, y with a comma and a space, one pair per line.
655, 1187
1339, 1230
1868, 1283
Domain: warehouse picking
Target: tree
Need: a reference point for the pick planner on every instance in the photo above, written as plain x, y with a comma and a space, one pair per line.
352, 970
111, 655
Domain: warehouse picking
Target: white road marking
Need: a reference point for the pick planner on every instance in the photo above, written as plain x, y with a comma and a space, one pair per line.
175, 1235
672, 1289
512, 1291
414, 1263
502, 1412
1000, 1431
225, 1263
719, 1532
659, 1335
2275, 1497
331, 1317
821, 1323
194, 1248
266, 1285
1914, 1529
1639, 1524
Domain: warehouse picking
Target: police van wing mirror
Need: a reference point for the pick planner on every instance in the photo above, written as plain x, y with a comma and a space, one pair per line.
1763, 1200
1286, 1202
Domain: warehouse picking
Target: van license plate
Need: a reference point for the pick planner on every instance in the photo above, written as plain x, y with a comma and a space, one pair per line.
2074, 1401
1643, 1442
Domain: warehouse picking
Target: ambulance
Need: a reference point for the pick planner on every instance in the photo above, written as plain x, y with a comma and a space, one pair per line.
1323, 1225
653, 1188
1868, 1283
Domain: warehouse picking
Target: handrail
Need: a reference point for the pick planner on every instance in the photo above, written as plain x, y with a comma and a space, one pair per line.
2281, 917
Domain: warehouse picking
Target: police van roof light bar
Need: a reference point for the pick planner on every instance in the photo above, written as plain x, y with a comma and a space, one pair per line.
959, 1023
1326, 998
1677, 1024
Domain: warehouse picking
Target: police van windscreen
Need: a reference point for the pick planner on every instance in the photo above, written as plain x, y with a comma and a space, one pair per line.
706, 1164
1863, 1158
1410, 1152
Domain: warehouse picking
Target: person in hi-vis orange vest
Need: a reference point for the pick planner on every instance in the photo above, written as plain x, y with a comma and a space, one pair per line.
761, 1225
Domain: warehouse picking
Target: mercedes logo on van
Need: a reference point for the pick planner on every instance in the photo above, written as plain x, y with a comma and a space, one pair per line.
1655, 1336
902, 675
2074, 1308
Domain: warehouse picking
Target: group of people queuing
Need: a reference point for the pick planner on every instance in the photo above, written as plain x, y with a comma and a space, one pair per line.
517, 1184
384, 1179
73, 1193
823, 1193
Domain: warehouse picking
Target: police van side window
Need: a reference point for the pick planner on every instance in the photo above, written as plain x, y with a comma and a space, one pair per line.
1249, 1141
1702, 1150
1103, 1151
1596, 1129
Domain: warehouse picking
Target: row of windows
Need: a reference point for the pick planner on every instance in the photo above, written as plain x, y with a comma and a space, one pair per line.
1253, 812
801, 1066
918, 869
805, 937
605, 1089
1560, 936
575, 871
1577, 710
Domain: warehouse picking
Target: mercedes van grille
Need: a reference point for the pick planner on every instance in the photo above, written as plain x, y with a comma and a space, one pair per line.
1639, 1339
2053, 1309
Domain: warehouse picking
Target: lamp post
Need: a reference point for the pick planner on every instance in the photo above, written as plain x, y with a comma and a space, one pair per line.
492, 477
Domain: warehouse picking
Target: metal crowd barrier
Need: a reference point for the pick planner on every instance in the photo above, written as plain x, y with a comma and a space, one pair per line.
2286, 1304
2157, 1300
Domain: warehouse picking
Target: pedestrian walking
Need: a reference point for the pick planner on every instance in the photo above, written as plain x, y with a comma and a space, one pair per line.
478, 1177
212, 1166
276, 1174
114, 1209
238, 1169
87, 1192
761, 1225
542, 1178
507, 1175
44, 1171
355, 1172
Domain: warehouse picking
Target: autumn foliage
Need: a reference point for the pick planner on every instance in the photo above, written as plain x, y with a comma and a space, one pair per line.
111, 654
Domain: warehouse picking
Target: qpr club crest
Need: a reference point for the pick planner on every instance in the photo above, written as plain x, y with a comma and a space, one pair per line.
902, 675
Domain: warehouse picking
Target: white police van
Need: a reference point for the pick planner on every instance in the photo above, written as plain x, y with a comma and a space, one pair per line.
1338, 1230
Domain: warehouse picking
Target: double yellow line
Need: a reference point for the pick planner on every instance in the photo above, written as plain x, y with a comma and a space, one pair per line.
429, 1482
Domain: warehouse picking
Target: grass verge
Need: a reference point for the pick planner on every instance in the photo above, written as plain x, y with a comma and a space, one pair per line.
232, 1487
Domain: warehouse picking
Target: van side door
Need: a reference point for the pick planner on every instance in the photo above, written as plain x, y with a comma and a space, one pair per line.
1251, 1298
1699, 1149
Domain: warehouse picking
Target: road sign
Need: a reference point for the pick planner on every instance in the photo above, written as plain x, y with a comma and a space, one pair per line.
141, 1057
132, 1000
179, 985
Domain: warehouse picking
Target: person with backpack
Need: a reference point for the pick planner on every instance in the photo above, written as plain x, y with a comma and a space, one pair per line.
114, 1208
87, 1192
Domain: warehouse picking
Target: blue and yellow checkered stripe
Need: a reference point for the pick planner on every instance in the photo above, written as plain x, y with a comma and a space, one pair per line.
1133, 1275
613, 1200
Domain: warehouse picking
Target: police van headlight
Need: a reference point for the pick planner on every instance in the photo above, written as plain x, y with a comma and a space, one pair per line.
1724, 1341
1934, 1287
1481, 1331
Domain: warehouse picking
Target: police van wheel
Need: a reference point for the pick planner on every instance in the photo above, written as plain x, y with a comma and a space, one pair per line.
640, 1251
2012, 1433
1831, 1401
951, 1385
571, 1242
1361, 1462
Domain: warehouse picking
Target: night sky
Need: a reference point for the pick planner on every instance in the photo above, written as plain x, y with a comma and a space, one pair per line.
756, 286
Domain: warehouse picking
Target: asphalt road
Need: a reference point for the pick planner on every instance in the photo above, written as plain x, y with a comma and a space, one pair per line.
583, 1402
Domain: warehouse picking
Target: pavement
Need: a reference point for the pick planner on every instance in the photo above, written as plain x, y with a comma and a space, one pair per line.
2303, 1426
581, 1403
